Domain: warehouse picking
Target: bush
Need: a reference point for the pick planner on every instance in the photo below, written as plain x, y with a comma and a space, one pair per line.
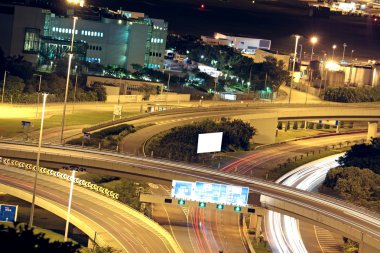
180, 143
353, 95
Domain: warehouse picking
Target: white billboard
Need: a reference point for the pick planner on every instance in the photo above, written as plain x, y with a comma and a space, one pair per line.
211, 142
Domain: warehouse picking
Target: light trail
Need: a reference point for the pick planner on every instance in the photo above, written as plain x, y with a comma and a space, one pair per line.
282, 231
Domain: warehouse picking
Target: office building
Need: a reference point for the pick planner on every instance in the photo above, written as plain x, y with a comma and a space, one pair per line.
120, 38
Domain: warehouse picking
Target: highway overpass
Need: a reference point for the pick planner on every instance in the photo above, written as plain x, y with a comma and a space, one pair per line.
358, 224
105, 221
263, 117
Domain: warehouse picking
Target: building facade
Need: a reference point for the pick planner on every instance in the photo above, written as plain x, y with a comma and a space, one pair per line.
106, 37
245, 44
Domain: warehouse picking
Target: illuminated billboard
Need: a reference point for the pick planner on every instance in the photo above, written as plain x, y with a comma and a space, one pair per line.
211, 142
210, 192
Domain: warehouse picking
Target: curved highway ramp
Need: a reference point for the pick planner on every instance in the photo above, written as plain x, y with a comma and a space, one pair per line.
107, 222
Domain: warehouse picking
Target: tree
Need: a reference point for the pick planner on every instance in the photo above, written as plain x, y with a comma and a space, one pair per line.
22, 238
14, 85
363, 156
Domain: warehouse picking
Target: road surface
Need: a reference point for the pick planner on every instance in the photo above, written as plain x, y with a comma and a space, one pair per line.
116, 222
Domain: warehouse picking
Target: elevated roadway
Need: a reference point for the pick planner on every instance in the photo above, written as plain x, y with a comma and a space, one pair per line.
358, 224
105, 221
263, 117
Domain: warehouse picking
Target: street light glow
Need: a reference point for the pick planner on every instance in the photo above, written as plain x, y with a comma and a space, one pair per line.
332, 66
314, 40
76, 2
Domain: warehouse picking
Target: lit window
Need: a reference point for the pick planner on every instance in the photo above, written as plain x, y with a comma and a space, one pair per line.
70, 31
53, 29
82, 32
85, 33
158, 66
101, 34
32, 40
60, 30
92, 33
76, 31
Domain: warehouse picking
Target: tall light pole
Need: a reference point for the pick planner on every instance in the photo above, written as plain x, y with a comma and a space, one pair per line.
69, 205
2, 94
333, 48
68, 77
294, 64
344, 50
38, 160
352, 51
38, 92
300, 54
313, 41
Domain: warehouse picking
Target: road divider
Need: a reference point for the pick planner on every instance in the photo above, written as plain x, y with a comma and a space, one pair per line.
80, 182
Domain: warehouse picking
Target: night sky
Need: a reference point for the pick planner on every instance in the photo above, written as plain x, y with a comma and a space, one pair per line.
275, 20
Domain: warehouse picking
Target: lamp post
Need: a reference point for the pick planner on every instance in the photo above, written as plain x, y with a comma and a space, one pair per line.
38, 92
68, 77
72, 179
301, 54
38, 160
294, 64
333, 48
81, 4
2, 94
352, 51
313, 41
344, 50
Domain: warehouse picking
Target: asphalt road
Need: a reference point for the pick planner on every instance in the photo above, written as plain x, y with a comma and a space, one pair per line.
359, 218
200, 230
286, 234
127, 232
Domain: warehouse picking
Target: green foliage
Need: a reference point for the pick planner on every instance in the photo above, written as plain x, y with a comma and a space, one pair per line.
363, 156
353, 95
231, 62
97, 178
21, 238
108, 137
350, 246
279, 125
357, 185
180, 143
295, 125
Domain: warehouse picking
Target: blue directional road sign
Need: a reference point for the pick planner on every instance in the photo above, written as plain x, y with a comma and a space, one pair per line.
8, 213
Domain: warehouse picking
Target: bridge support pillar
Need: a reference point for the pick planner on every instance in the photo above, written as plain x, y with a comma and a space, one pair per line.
258, 226
372, 130
252, 221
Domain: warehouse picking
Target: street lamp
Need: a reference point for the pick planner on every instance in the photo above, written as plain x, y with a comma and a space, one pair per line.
38, 92
352, 51
68, 73
294, 64
344, 50
2, 94
72, 180
333, 47
313, 41
38, 160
